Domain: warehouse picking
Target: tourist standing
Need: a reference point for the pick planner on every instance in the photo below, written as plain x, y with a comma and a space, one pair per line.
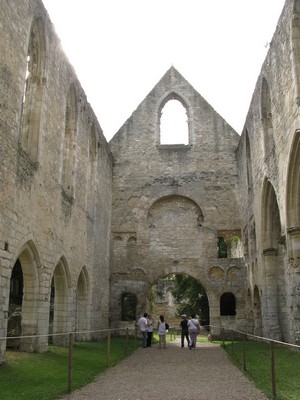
149, 330
194, 329
143, 328
162, 332
184, 330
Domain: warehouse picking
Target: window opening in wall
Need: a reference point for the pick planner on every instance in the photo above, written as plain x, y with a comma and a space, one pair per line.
27, 73
236, 247
51, 313
128, 307
227, 304
222, 247
174, 123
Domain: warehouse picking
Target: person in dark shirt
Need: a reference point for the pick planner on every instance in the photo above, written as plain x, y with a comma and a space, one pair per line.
184, 330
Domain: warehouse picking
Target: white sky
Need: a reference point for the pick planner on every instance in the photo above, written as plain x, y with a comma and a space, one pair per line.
121, 48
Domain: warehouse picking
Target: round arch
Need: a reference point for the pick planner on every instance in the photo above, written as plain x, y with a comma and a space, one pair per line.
161, 300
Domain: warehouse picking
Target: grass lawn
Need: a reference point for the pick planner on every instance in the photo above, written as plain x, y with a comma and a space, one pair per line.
258, 367
32, 376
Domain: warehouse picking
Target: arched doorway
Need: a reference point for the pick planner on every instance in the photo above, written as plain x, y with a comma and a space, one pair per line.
82, 311
60, 304
178, 294
14, 324
23, 310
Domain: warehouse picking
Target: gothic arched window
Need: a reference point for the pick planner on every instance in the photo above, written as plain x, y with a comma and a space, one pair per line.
68, 172
33, 91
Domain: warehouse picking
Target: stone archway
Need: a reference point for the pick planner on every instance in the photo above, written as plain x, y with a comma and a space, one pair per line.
274, 292
26, 267
82, 310
175, 294
62, 303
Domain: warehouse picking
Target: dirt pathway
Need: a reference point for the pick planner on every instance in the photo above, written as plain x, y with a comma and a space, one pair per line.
174, 373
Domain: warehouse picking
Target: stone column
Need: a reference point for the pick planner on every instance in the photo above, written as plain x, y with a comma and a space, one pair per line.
271, 320
294, 262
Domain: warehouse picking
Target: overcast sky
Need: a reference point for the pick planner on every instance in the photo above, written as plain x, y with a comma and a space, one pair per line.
121, 48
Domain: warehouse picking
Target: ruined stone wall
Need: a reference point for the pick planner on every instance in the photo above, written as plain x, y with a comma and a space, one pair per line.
170, 201
42, 222
265, 157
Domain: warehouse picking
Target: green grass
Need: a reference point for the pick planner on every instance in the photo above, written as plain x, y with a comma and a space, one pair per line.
32, 376
258, 367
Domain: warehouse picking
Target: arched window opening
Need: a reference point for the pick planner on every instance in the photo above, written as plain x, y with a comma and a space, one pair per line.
81, 305
14, 327
222, 247
128, 307
51, 311
266, 117
236, 247
227, 304
248, 162
91, 172
33, 91
69, 147
174, 123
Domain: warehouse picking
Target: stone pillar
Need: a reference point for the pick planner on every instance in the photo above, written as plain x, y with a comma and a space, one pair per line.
271, 321
4, 302
294, 262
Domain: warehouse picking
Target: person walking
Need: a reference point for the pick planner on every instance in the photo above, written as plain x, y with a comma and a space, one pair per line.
149, 330
184, 330
162, 332
143, 329
194, 329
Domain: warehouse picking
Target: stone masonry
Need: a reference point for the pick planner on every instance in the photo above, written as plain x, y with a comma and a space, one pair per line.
83, 221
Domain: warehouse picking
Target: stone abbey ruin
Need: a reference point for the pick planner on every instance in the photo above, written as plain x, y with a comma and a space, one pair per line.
86, 223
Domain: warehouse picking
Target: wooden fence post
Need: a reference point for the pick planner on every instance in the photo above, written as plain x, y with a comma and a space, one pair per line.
108, 351
126, 343
70, 362
244, 352
273, 373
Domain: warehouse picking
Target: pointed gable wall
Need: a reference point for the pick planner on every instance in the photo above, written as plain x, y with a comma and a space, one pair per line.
139, 159
172, 199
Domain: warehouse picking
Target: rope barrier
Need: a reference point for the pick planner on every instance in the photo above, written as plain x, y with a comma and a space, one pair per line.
63, 333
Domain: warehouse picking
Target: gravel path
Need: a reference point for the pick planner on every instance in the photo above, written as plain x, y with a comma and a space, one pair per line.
172, 374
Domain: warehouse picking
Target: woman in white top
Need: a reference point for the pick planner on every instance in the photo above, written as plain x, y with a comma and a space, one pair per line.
194, 329
162, 332
149, 330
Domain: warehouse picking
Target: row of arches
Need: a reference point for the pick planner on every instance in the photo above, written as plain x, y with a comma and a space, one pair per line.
44, 302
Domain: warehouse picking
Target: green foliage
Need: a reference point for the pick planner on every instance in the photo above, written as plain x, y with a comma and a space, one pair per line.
32, 376
191, 296
258, 367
